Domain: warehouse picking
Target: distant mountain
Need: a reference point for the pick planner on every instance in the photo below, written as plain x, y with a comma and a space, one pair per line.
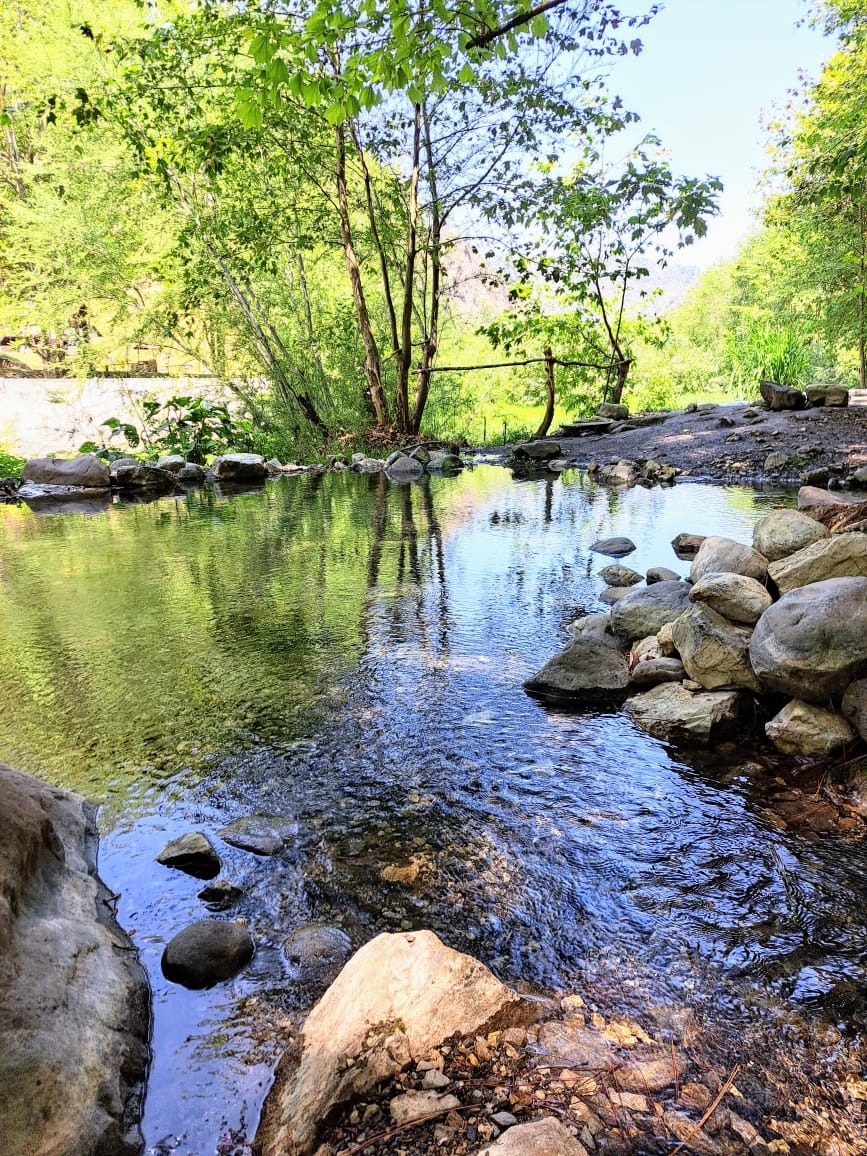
674, 280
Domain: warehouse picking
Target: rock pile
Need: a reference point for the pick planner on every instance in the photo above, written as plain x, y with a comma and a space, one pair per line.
783, 616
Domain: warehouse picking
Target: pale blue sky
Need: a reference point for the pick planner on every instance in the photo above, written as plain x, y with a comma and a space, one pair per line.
708, 71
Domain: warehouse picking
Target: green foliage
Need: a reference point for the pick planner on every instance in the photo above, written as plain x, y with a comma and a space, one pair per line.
10, 465
769, 353
193, 427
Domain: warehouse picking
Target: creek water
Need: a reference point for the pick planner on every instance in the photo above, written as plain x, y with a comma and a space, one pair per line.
349, 653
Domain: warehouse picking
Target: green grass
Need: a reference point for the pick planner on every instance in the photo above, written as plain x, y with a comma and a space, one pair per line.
10, 466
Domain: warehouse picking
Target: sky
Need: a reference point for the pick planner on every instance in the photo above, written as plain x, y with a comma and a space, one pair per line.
708, 71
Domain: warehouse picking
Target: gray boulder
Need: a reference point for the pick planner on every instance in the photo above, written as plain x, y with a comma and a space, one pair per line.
615, 575
591, 668
734, 596
590, 624
645, 611
612, 594
74, 1000
714, 652
239, 469
85, 472
654, 670
443, 462
830, 395
854, 706
138, 476
613, 547
801, 728
613, 410
813, 642
784, 532
401, 467
687, 545
192, 853
670, 711
780, 397
262, 834
839, 556
190, 474
536, 451
207, 952
172, 462
660, 574
315, 953
718, 555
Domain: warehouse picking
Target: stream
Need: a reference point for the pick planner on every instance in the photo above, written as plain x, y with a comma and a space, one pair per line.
349, 654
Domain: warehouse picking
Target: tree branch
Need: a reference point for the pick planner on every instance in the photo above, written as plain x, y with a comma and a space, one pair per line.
486, 38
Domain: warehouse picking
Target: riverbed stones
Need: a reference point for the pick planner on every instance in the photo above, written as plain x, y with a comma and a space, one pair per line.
838, 556
592, 667
645, 611
802, 728
827, 394
193, 853
613, 547
616, 575
715, 652
190, 474
669, 711
718, 555
734, 596
220, 894
74, 1000
413, 1105
541, 450
141, 477
172, 462
261, 834
813, 642
653, 671
784, 532
780, 397
398, 998
444, 462
207, 952
545, 1137
315, 953
85, 472
854, 706
239, 469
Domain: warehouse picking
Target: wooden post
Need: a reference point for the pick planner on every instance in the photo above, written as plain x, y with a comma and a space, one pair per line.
549, 387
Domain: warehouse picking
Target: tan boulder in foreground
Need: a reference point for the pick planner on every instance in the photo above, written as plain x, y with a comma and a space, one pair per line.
397, 998
545, 1137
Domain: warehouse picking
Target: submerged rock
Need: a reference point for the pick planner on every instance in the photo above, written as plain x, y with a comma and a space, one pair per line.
206, 953
591, 668
74, 1000
613, 547
261, 834
315, 953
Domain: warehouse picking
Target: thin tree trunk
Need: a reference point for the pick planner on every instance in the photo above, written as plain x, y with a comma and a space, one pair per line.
372, 363
404, 356
549, 390
311, 332
621, 370
862, 289
377, 241
431, 337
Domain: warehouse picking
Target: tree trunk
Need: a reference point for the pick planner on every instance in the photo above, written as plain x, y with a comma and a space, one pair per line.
404, 354
622, 368
372, 363
862, 289
431, 336
549, 389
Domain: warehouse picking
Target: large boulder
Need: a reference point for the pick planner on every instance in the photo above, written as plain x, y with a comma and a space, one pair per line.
645, 611
813, 642
402, 468
74, 1001
827, 394
734, 596
86, 472
714, 652
784, 532
138, 476
398, 997
613, 410
239, 469
670, 711
718, 555
780, 397
591, 668
840, 556
801, 728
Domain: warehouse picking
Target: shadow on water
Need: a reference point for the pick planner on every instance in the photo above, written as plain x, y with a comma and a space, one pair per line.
349, 653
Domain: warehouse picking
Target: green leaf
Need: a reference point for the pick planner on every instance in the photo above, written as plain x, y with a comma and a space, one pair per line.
539, 26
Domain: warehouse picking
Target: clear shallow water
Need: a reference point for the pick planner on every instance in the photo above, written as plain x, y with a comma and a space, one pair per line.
350, 653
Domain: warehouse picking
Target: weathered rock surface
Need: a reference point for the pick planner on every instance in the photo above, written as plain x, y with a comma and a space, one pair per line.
854, 706
615, 575
545, 1137
718, 555
670, 711
261, 834
839, 556
613, 410
613, 547
592, 667
192, 853
784, 532
645, 611
74, 1002
734, 596
239, 469
413, 1105
653, 671
813, 642
827, 394
687, 545
590, 624
396, 999
138, 476
172, 462
661, 574
612, 594
801, 728
220, 894
813, 497
715, 652
536, 451
86, 472
401, 467
315, 953
777, 397
444, 462
207, 952
190, 474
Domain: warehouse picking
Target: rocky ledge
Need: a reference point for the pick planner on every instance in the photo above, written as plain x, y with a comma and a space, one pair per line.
774, 628
74, 1001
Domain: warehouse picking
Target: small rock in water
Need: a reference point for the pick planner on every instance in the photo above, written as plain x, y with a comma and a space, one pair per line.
613, 547
206, 952
261, 834
220, 894
193, 854
315, 953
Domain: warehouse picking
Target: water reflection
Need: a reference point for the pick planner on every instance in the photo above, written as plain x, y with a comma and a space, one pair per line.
349, 653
